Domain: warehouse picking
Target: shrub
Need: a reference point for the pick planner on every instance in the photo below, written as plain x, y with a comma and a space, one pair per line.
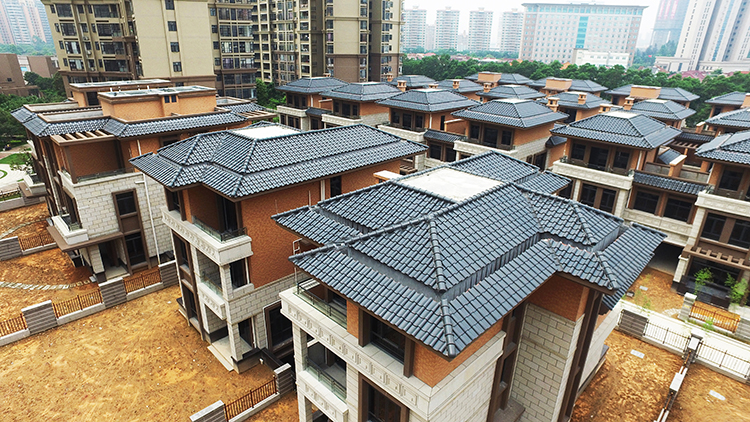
702, 278
738, 291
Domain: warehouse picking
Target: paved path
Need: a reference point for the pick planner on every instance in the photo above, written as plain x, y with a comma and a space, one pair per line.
42, 286
12, 229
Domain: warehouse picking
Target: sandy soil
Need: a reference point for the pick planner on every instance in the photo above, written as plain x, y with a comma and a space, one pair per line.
47, 267
13, 300
135, 362
659, 296
628, 388
13, 218
284, 410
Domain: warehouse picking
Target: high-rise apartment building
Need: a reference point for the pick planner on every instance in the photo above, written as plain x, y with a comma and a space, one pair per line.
715, 35
415, 28
669, 20
446, 29
480, 29
552, 31
511, 28
429, 38
22, 21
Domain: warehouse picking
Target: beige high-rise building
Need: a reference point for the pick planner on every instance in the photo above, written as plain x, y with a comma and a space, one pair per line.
446, 29
22, 22
480, 30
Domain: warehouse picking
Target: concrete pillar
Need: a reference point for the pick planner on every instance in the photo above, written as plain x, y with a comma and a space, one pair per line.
300, 347
682, 267
212, 413
687, 305
40, 317
235, 341
284, 379
260, 336
113, 292
168, 273
743, 328
95, 259
622, 202
576, 189
305, 408
352, 389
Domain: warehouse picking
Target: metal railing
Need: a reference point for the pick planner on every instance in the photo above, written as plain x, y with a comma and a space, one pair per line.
72, 225
717, 318
104, 174
326, 379
330, 311
213, 282
35, 240
12, 325
35, 179
78, 303
141, 280
622, 172
250, 400
220, 236
13, 194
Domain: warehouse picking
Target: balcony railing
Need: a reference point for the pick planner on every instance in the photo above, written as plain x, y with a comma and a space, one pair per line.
733, 194
622, 172
34, 177
332, 312
685, 173
213, 282
326, 379
72, 225
220, 236
104, 174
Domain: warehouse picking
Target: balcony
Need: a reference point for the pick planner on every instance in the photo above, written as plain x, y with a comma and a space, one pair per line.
332, 377
677, 231
718, 202
685, 174
330, 310
220, 236
341, 120
474, 148
581, 163
564, 168
211, 295
290, 110
72, 233
34, 183
403, 133
236, 245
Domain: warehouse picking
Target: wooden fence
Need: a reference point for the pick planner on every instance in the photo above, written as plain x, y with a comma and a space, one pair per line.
719, 318
10, 194
141, 280
78, 303
250, 400
35, 240
10, 326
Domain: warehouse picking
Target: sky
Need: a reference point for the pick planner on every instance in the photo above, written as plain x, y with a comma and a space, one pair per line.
644, 36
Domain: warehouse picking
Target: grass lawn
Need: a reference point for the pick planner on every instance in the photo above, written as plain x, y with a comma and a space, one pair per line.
13, 159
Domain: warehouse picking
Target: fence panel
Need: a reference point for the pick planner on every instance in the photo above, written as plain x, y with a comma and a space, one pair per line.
141, 280
251, 399
724, 359
10, 326
78, 303
35, 240
666, 336
719, 319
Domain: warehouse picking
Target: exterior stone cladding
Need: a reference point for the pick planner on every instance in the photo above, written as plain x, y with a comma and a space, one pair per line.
545, 356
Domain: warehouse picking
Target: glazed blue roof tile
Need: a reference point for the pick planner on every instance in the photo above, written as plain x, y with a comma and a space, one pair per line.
730, 147
582, 85
428, 100
734, 98
555, 140
498, 166
362, 92
546, 182
666, 93
311, 85
464, 86
737, 119
569, 99
620, 127
668, 156
667, 183
237, 166
436, 135
413, 81
313, 111
662, 109
40, 128
511, 91
511, 112
124, 129
244, 107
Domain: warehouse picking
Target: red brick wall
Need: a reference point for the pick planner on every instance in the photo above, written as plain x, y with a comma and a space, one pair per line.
562, 297
201, 202
93, 158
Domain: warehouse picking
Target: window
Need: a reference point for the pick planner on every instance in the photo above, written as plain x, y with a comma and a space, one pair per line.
578, 152
474, 132
126, 203
380, 407
387, 339
607, 200
646, 202
740, 234
419, 121
598, 157
713, 226
134, 245
588, 195
169, 4
678, 209
622, 158
183, 257
335, 186
177, 66
175, 47
172, 25
730, 180
407, 121
279, 326
507, 137
215, 29
395, 117
237, 273
173, 199
166, 99
490, 137
436, 151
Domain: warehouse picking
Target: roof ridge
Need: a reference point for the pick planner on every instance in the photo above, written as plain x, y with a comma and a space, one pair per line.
584, 224
551, 246
437, 257
450, 340
245, 163
195, 140
613, 283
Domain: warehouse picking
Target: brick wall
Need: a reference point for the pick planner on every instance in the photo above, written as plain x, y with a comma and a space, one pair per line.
561, 296
105, 153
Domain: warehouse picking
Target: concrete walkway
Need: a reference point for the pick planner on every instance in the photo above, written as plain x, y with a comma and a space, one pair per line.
42, 286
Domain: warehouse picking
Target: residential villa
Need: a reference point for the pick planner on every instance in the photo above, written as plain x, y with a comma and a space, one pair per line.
643, 92
509, 91
577, 105
553, 86
303, 101
355, 103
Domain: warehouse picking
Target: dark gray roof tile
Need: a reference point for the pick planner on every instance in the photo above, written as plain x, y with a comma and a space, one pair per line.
429, 100
621, 127
569, 99
737, 119
734, 98
511, 91
662, 109
314, 85
363, 92
666, 93
667, 183
511, 112
730, 147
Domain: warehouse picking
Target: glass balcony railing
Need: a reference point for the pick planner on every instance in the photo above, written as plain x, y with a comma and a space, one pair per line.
220, 236
213, 282
325, 378
331, 311
72, 225
581, 163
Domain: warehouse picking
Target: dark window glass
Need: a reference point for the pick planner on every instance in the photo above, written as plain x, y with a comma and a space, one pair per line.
622, 158
134, 245
436, 151
598, 158
174, 201
394, 116
237, 273
646, 202
182, 252
740, 234
227, 214
474, 132
346, 109
407, 121
335, 186
387, 339
607, 201
450, 154
565, 193
588, 195
172, 25
419, 121
281, 327
175, 47
169, 4
578, 152
177, 66
507, 137
490, 137
713, 227
442, 122
730, 180
678, 209
380, 408
126, 203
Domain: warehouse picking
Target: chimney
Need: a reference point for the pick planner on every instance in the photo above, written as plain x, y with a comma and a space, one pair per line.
700, 126
487, 86
605, 108
389, 77
628, 103
746, 101
402, 86
457, 82
581, 98
327, 75
432, 85
552, 103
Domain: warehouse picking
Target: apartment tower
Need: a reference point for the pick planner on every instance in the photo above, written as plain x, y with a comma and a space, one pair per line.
553, 31
21, 21
669, 20
415, 28
511, 28
446, 29
480, 29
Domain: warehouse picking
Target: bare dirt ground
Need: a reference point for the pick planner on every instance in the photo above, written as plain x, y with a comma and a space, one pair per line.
659, 296
628, 388
35, 214
284, 410
135, 362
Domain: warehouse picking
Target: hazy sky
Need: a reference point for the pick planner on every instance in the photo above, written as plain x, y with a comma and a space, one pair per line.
465, 6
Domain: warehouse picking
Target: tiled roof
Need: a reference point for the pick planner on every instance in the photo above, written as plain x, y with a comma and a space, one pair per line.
511, 91
428, 100
667, 183
413, 81
739, 119
237, 166
473, 77
314, 111
730, 147
436, 135
363, 91
311, 85
582, 85
498, 166
735, 98
23, 114
464, 86
693, 137
662, 109
39, 127
666, 93
555, 140
547, 182
511, 112
171, 124
620, 127
514, 79
569, 99
448, 275
247, 107
668, 156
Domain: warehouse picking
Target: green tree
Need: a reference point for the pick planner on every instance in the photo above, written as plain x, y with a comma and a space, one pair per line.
268, 95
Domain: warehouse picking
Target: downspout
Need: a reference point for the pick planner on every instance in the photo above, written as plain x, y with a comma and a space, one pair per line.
150, 214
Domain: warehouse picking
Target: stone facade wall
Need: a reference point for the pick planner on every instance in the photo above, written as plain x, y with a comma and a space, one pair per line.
545, 355
10, 248
601, 333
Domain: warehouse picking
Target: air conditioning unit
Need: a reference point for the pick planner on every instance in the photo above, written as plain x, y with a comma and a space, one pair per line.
85, 38
88, 52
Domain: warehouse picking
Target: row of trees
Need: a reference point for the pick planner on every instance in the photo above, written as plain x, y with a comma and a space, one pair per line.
50, 89
36, 48
442, 67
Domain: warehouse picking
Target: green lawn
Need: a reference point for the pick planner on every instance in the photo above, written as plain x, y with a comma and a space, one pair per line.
12, 159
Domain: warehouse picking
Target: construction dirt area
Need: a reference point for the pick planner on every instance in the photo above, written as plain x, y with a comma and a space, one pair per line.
24, 221
138, 361
653, 291
630, 388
